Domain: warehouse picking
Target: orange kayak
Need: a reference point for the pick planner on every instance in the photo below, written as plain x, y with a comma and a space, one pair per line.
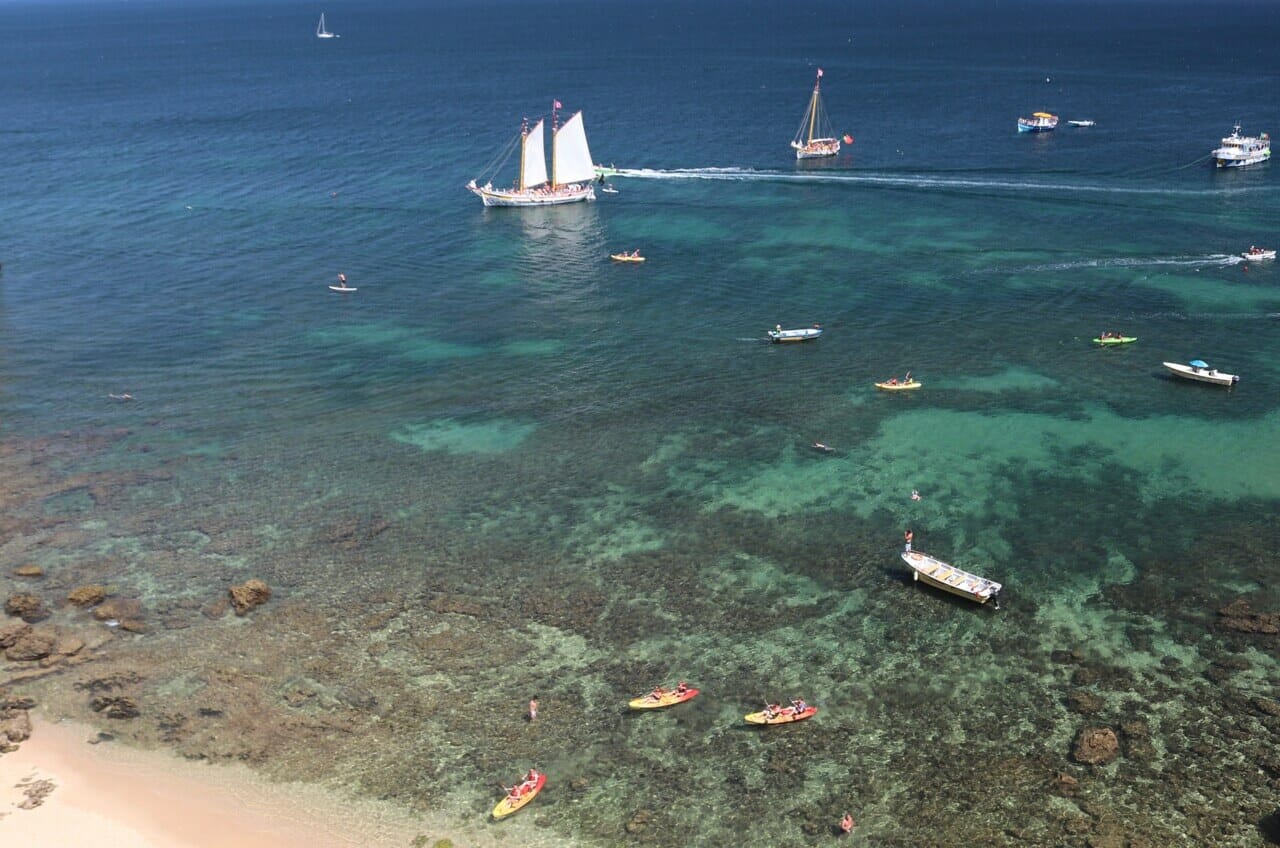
668, 699
509, 805
783, 716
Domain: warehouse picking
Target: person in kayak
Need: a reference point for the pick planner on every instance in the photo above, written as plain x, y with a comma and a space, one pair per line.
682, 688
657, 693
846, 824
531, 779
798, 706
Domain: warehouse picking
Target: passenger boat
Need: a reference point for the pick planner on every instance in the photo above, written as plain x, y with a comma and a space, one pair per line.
1240, 150
1038, 122
948, 578
780, 336
1199, 370
906, 385
571, 168
625, 257
1259, 253
815, 137
1115, 340
1085, 123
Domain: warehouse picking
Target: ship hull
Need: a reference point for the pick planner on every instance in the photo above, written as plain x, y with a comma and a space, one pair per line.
533, 197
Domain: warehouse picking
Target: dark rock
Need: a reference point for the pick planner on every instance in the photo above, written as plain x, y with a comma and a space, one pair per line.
115, 706
249, 595
578, 784
217, 609
639, 821
1064, 783
35, 644
1239, 616
1096, 746
87, 596
1084, 677
12, 632
16, 727
27, 607
1085, 703
1266, 706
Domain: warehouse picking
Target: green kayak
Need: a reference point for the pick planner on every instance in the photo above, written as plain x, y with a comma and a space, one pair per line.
1115, 340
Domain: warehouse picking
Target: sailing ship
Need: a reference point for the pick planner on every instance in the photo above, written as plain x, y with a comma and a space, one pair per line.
321, 32
806, 144
571, 167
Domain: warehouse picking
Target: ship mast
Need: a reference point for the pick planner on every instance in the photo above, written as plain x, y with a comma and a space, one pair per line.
813, 106
555, 124
524, 137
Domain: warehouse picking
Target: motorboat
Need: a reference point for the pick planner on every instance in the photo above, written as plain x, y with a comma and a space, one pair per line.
1038, 122
1114, 339
1084, 123
1240, 150
1199, 370
1258, 253
945, 576
780, 336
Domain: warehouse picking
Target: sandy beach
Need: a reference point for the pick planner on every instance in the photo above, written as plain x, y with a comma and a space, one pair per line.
58, 789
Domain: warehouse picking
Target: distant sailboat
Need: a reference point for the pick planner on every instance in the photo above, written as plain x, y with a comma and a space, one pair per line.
806, 145
571, 168
321, 32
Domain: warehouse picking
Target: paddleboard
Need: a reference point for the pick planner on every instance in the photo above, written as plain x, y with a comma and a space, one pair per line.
899, 387
786, 716
509, 805
343, 288
1121, 340
668, 699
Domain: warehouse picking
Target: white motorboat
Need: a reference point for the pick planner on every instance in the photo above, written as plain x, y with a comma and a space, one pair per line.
815, 137
780, 336
948, 578
1199, 370
1084, 123
1038, 122
1258, 253
1240, 150
321, 31
572, 170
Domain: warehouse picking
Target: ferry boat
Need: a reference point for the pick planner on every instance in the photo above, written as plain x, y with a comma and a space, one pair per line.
572, 170
806, 145
1240, 150
1038, 122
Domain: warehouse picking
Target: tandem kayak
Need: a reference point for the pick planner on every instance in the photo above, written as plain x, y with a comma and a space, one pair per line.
783, 716
625, 257
899, 387
668, 699
1116, 341
509, 805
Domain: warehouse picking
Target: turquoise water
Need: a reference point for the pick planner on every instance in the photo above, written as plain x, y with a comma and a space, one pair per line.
507, 466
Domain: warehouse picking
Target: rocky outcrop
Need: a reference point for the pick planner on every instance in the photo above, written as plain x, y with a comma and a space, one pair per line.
1096, 746
1239, 616
11, 633
87, 596
249, 595
28, 571
115, 706
35, 644
1085, 703
27, 607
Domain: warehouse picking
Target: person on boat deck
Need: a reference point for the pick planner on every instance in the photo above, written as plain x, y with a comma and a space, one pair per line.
635, 252
778, 328
893, 381
907, 379
908, 536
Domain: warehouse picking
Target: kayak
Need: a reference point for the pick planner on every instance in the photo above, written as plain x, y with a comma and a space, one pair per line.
668, 699
625, 257
785, 716
508, 805
899, 387
1114, 341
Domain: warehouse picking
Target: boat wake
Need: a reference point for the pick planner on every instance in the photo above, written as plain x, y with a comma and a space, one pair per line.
1210, 261
910, 181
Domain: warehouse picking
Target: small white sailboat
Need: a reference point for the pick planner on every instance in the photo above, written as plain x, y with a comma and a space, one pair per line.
321, 32
806, 144
572, 170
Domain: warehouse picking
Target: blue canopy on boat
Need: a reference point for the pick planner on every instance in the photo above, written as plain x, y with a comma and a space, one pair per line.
1198, 363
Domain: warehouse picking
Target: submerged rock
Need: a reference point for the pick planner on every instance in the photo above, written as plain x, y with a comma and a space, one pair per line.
34, 644
1240, 617
115, 706
87, 596
28, 571
249, 595
1096, 746
27, 607
118, 609
11, 633
1085, 703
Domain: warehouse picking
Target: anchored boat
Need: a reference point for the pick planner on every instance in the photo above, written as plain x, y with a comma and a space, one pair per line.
1240, 150
781, 336
1038, 122
815, 137
948, 578
1199, 370
571, 168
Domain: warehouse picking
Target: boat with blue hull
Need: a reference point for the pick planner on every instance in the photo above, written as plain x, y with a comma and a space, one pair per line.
1038, 122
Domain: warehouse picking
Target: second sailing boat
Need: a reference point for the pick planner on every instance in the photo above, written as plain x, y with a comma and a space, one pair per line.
815, 138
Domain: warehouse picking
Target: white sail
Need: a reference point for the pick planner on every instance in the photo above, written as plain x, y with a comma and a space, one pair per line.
533, 161
572, 157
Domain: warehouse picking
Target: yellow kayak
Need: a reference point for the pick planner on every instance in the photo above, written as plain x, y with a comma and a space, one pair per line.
509, 805
625, 257
785, 715
667, 699
899, 387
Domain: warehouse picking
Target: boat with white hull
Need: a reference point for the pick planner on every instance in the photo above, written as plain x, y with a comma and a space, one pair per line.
1238, 150
1199, 370
948, 578
815, 138
807, 334
571, 167
322, 32
1259, 253
1038, 122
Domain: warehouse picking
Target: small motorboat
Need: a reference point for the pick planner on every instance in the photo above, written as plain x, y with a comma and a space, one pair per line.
1258, 253
780, 336
1115, 339
948, 578
1084, 123
626, 257
1199, 370
896, 385
1038, 122
823, 447
609, 190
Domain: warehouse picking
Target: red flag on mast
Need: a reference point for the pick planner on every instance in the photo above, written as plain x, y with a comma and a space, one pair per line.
558, 105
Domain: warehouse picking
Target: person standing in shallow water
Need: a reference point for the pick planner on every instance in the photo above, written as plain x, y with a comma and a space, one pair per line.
907, 537
846, 824
533, 708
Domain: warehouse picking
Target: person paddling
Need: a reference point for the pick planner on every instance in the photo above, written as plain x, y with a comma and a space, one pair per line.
846, 824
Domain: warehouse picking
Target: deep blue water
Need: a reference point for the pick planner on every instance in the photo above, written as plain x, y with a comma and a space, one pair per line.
182, 181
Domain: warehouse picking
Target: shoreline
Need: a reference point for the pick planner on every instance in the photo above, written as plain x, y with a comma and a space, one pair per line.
107, 794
